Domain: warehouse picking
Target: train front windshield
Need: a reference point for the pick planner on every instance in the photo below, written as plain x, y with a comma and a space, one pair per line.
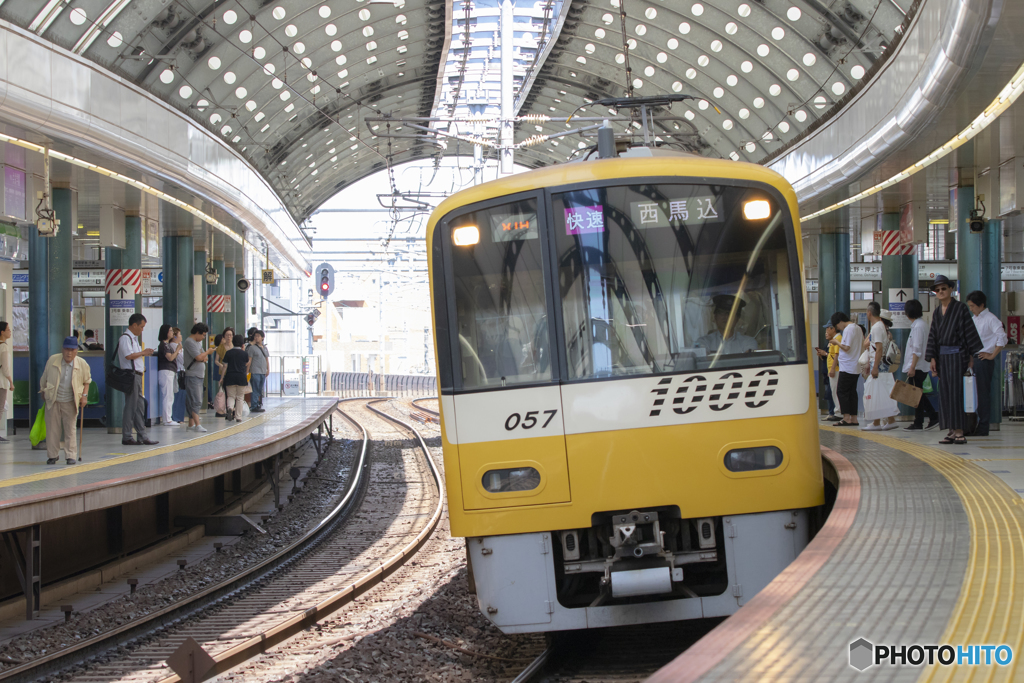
648, 278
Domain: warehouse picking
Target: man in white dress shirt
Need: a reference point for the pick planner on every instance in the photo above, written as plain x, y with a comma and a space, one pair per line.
131, 356
736, 343
993, 339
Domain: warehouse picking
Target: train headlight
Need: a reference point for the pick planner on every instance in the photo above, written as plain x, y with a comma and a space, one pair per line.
465, 236
752, 459
512, 479
756, 210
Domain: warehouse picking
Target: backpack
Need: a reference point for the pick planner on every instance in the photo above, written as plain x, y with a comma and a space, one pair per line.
891, 354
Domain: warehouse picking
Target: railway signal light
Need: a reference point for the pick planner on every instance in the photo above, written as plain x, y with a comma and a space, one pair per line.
324, 274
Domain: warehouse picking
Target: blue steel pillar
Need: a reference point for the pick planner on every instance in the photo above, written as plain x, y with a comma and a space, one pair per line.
169, 264
217, 325
898, 272
833, 278
992, 285
238, 302
38, 318
968, 244
59, 267
228, 279
179, 287
113, 401
199, 271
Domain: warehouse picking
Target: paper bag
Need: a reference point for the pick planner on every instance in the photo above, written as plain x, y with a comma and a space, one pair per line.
907, 394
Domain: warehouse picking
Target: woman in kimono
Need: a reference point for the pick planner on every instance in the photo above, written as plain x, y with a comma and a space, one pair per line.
952, 342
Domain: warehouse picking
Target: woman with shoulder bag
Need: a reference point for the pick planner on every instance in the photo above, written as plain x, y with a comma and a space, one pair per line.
879, 407
167, 364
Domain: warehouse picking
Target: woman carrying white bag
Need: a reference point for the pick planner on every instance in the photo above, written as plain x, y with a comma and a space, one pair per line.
879, 408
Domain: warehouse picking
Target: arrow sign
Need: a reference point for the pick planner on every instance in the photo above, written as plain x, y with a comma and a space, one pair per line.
121, 291
901, 295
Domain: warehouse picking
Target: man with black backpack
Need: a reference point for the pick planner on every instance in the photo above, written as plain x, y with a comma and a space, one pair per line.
131, 356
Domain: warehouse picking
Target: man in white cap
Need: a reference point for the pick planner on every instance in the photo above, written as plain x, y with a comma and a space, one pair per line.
65, 387
736, 343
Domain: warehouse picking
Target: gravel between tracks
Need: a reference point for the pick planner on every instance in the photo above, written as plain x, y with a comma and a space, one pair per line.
297, 517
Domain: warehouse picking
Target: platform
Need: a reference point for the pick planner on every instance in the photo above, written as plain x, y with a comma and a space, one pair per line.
925, 545
110, 474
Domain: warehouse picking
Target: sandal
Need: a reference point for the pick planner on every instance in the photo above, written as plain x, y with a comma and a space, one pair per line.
960, 441
844, 423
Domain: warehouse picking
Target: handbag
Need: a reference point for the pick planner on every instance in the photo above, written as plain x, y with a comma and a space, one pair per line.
120, 379
926, 386
970, 392
182, 381
220, 401
38, 433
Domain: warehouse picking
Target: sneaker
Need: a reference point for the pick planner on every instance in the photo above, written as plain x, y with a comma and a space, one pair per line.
51, 461
889, 426
932, 425
871, 428
3, 440
72, 461
238, 419
198, 428
914, 428
172, 423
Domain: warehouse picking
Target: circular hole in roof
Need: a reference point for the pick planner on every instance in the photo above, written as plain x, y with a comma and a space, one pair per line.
778, 33
250, 105
641, 29
703, 60
277, 83
325, 11
691, 73
581, 60
230, 17
750, 147
184, 92
285, 95
367, 31
820, 102
784, 126
241, 92
702, 104
599, 33
763, 50
734, 156
632, 43
649, 71
838, 88
78, 16
370, 47
291, 30
672, 43
800, 115
684, 28
226, 130
166, 76
607, 19
637, 83
727, 124
620, 58
331, 30
697, 9
229, 77
731, 80
589, 48
245, 35
716, 46
662, 57
857, 71
340, 60
651, 13
279, 13
743, 10
343, 73
364, 14
614, 3
718, 92
311, 77
747, 67
809, 59
269, 69
767, 135
259, 53
677, 86
213, 62
307, 62
731, 28
793, 74
336, 45
775, 90
758, 102
744, 113
216, 118
690, 116
793, 14
202, 104
115, 39
299, 47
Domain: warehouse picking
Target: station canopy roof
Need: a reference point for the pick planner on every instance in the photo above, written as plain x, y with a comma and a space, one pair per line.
291, 83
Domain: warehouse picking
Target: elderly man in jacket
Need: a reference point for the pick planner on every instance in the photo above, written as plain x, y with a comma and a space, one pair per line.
65, 387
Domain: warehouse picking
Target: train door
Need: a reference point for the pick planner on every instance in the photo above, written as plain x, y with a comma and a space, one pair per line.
505, 395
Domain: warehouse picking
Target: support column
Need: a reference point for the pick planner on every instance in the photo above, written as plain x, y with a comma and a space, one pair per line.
38, 318
899, 271
241, 314
217, 325
991, 284
228, 280
113, 401
201, 288
185, 289
59, 268
968, 244
833, 277
169, 263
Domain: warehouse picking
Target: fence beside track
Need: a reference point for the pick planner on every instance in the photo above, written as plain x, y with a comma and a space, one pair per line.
351, 384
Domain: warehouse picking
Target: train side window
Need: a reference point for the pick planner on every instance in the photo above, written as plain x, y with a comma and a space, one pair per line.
501, 328
671, 277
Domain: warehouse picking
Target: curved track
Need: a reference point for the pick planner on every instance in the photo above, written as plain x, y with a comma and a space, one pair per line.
241, 617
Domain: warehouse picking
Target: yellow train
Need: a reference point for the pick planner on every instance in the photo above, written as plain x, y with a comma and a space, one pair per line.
626, 388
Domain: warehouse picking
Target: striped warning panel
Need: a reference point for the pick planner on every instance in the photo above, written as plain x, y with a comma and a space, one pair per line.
215, 303
891, 245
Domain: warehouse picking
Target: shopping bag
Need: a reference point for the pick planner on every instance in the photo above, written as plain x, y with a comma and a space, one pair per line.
926, 386
244, 412
220, 402
38, 433
970, 393
877, 404
906, 393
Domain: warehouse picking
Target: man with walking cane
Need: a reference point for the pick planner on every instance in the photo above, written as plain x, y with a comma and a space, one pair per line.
65, 388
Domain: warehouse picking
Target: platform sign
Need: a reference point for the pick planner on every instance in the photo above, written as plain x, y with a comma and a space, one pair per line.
1013, 329
123, 282
898, 299
121, 310
877, 239
268, 276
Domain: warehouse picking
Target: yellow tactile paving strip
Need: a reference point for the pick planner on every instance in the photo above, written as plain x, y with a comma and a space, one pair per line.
990, 609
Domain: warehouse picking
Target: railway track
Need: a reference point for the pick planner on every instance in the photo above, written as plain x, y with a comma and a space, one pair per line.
322, 571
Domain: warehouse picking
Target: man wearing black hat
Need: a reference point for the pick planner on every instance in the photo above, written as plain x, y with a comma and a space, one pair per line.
65, 387
952, 341
736, 343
